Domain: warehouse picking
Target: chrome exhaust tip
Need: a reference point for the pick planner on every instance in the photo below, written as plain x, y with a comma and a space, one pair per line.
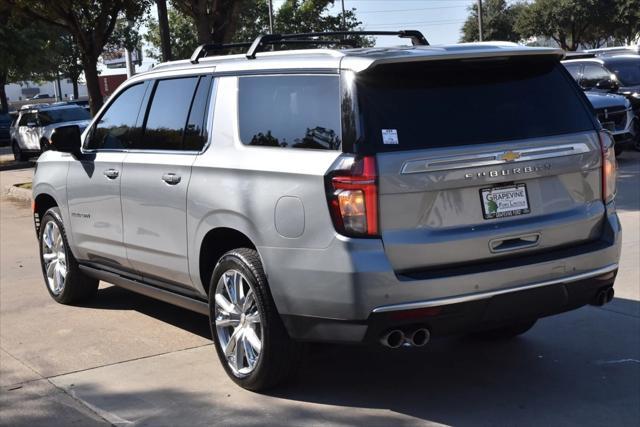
603, 297
393, 339
420, 337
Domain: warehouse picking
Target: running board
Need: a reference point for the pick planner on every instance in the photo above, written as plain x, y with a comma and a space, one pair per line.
147, 290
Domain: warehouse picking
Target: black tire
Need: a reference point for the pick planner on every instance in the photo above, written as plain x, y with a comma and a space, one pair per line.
280, 356
505, 332
77, 287
618, 150
18, 155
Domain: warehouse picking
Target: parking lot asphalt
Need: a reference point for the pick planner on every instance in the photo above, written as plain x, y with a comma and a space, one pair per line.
125, 359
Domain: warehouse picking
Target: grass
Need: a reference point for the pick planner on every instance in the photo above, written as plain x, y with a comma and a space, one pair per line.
25, 185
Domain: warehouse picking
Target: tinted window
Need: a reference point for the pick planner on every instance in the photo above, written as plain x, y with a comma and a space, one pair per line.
574, 70
61, 115
25, 118
592, 74
195, 134
290, 111
117, 126
458, 103
627, 71
168, 113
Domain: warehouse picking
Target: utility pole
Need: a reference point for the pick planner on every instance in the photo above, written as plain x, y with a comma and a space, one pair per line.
131, 68
480, 20
163, 26
344, 24
270, 16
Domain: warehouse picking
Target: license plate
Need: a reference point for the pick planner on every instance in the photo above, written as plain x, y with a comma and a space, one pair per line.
506, 201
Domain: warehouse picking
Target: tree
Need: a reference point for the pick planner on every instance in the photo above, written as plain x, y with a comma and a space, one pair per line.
570, 23
215, 20
293, 16
625, 24
69, 63
163, 30
498, 23
90, 22
25, 48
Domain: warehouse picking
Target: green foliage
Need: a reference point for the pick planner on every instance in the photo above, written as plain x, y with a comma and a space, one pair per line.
184, 38
499, 19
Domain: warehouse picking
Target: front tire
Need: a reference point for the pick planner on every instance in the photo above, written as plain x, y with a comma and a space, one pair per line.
62, 276
250, 338
18, 155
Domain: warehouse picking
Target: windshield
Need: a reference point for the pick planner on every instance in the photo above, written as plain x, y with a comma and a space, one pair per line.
429, 104
49, 117
628, 72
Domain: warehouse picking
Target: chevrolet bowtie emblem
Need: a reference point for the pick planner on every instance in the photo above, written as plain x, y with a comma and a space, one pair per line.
510, 156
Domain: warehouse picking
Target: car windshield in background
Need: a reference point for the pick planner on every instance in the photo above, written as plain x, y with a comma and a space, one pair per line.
426, 105
627, 71
61, 115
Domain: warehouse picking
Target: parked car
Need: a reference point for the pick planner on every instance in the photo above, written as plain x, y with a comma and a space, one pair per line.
609, 73
41, 96
616, 115
5, 126
32, 130
333, 195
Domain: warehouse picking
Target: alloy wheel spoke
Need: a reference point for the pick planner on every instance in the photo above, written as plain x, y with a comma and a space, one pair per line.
239, 351
224, 304
48, 258
51, 268
227, 322
251, 337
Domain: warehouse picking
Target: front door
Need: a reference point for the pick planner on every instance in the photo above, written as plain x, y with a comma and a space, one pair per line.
94, 182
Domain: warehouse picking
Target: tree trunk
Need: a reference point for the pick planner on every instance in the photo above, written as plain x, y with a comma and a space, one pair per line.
163, 25
74, 82
89, 63
4, 105
202, 29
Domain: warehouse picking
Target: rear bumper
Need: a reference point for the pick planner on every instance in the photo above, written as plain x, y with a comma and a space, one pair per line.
349, 292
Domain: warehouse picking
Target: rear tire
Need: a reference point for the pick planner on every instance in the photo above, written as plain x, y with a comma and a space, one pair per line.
18, 155
505, 332
250, 338
62, 276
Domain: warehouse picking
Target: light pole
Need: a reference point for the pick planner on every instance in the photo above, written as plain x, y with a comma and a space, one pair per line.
270, 16
480, 20
344, 24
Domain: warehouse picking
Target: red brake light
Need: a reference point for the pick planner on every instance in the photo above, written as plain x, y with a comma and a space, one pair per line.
609, 167
353, 197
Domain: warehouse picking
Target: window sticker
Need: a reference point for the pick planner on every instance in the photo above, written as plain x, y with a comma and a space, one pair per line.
390, 136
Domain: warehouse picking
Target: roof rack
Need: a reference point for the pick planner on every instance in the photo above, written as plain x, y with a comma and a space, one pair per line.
417, 39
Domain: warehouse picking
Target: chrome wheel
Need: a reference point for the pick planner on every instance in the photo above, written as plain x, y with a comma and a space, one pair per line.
238, 323
54, 257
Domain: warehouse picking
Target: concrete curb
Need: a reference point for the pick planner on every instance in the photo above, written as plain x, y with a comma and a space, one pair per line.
19, 194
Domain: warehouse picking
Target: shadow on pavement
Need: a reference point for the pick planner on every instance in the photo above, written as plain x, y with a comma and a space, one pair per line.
628, 197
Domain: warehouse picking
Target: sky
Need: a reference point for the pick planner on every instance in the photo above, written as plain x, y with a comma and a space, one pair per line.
439, 20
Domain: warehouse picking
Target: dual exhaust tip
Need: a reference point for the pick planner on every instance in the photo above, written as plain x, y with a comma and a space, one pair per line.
396, 338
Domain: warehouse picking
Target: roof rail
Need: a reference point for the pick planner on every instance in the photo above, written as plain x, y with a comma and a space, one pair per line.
579, 55
417, 39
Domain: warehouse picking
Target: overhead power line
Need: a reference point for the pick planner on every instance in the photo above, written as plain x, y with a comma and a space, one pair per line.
411, 10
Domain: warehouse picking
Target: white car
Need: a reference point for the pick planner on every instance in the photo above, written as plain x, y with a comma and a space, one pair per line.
32, 129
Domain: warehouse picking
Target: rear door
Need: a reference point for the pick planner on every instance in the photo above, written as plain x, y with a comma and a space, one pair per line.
480, 160
156, 174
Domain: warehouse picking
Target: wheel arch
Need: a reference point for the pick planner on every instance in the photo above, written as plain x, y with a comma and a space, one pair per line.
41, 204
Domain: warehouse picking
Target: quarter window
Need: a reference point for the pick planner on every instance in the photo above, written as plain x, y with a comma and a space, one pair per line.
593, 74
117, 126
290, 111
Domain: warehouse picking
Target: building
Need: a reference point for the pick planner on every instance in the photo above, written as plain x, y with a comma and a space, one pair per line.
21, 91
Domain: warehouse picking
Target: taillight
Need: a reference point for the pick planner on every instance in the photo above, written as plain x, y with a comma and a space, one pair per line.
609, 167
352, 192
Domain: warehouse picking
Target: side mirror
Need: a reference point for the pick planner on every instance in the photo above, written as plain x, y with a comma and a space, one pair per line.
66, 139
608, 85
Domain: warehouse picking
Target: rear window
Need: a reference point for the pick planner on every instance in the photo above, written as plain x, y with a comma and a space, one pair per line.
432, 104
62, 115
290, 111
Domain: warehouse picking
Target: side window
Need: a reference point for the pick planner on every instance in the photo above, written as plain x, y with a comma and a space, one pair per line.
116, 129
574, 70
168, 113
290, 111
592, 74
195, 135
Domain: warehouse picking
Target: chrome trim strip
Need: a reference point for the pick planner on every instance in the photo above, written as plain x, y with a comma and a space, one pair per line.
492, 158
489, 294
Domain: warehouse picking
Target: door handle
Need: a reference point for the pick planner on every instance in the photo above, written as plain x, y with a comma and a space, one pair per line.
111, 173
171, 178
514, 243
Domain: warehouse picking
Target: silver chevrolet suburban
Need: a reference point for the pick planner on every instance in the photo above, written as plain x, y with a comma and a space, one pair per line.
337, 194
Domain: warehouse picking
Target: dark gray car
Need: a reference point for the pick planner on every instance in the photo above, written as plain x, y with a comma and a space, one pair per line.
361, 195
